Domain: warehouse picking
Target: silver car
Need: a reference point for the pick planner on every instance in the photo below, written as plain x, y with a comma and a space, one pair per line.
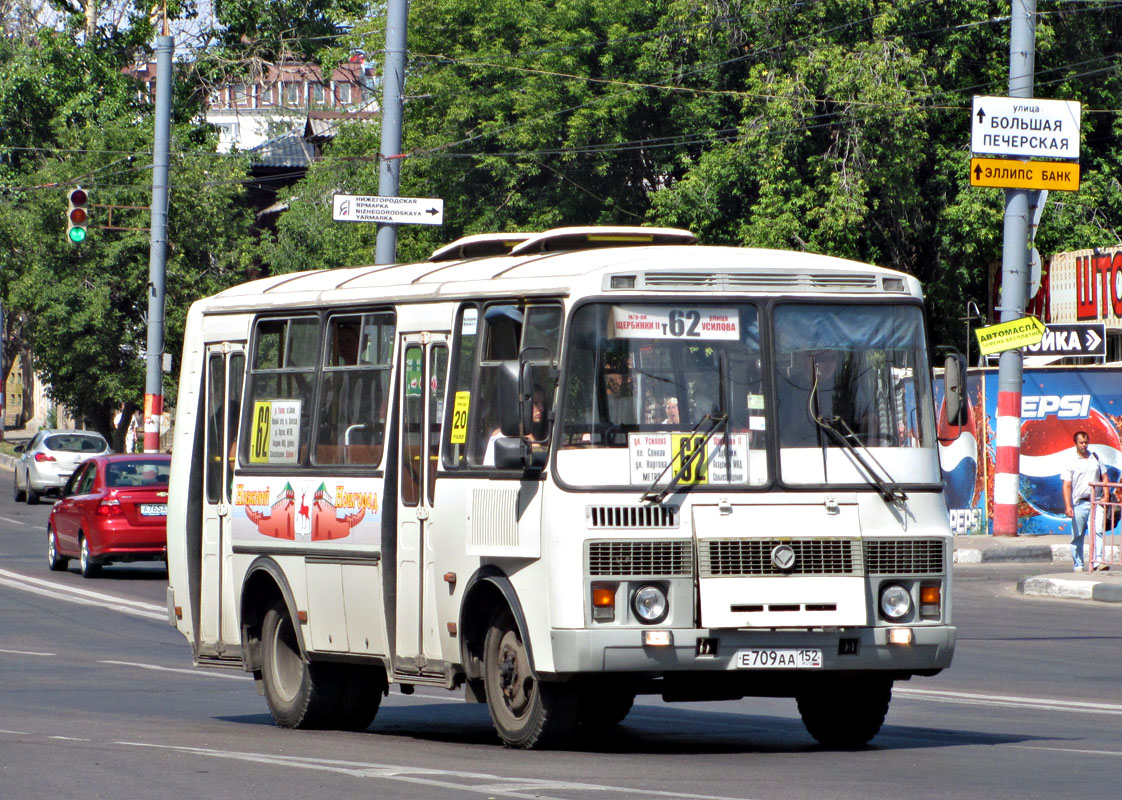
47, 461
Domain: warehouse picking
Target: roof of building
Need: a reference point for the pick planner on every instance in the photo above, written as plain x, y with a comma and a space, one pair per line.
289, 150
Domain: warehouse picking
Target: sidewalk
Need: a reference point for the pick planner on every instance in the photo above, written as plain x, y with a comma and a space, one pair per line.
1064, 583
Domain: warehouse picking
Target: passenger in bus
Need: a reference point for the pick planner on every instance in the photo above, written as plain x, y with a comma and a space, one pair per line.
537, 433
670, 405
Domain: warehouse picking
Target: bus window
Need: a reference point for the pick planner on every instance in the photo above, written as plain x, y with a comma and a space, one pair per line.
852, 372
460, 408
654, 369
354, 390
508, 331
281, 381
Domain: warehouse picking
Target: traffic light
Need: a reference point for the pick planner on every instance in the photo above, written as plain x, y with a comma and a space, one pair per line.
77, 217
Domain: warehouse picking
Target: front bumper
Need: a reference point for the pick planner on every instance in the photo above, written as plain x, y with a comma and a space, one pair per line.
865, 649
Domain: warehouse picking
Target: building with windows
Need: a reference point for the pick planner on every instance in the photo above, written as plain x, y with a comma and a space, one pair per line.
249, 113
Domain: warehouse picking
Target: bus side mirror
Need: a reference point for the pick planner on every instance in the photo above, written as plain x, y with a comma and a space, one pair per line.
508, 398
954, 388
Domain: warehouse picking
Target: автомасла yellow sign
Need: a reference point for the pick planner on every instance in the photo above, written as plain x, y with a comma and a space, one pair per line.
1010, 335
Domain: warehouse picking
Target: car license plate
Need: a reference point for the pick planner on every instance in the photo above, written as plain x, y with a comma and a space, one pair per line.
779, 658
154, 509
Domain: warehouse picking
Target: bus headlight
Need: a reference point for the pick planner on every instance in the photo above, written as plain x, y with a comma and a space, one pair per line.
650, 604
895, 601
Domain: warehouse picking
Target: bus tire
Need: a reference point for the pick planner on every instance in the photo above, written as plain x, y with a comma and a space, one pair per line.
845, 714
526, 713
360, 695
603, 707
300, 694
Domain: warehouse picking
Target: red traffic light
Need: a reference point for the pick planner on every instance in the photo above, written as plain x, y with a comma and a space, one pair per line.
78, 197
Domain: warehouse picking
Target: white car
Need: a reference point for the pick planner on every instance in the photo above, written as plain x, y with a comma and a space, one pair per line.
48, 460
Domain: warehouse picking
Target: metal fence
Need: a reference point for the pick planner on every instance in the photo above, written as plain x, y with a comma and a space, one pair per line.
1104, 539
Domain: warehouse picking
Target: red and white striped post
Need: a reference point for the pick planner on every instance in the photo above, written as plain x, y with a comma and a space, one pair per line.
1007, 475
1014, 282
153, 410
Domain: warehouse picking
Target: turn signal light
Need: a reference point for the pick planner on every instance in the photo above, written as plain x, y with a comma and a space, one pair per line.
604, 602
930, 600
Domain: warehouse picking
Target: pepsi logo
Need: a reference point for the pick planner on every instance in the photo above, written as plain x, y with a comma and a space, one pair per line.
1068, 406
1046, 447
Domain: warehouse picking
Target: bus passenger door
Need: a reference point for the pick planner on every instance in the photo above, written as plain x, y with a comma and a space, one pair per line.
225, 373
424, 368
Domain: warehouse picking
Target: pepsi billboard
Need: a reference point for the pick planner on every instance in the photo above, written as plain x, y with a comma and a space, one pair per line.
1055, 403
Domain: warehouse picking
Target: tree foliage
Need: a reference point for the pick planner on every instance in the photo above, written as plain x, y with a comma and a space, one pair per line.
82, 308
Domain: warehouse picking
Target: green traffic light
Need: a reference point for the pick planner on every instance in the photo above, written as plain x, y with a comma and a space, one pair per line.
77, 235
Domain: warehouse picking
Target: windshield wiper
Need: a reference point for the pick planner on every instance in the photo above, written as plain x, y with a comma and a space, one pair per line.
650, 495
888, 489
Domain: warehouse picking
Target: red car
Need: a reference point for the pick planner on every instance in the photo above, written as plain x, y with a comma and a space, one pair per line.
113, 508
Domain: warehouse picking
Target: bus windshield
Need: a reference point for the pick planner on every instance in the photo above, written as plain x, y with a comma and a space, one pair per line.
862, 371
647, 379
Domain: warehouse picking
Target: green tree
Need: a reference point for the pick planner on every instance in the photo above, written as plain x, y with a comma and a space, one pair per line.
82, 308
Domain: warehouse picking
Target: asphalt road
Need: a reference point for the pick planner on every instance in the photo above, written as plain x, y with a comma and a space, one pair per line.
98, 698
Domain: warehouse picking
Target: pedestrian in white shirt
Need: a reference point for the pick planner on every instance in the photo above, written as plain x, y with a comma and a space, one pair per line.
1082, 468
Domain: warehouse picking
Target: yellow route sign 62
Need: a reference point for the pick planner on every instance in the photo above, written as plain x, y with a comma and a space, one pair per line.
1010, 335
1011, 173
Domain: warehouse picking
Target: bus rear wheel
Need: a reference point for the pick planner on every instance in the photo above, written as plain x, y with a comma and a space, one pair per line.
527, 713
845, 714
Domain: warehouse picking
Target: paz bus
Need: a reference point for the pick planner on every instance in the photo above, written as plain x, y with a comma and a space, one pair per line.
560, 470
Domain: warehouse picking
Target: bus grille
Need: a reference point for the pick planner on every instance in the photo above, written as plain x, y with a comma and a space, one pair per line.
737, 557
632, 517
627, 559
904, 556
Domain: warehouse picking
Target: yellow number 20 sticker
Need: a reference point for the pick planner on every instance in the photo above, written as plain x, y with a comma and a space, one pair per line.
460, 406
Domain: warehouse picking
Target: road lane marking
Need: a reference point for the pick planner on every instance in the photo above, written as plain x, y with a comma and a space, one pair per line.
468, 782
19, 522
85, 597
183, 670
1080, 750
1009, 701
27, 653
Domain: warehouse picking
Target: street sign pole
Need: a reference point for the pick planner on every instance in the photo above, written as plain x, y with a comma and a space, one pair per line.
1014, 266
157, 252
393, 90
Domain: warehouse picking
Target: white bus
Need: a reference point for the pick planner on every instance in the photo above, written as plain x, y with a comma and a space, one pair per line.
559, 470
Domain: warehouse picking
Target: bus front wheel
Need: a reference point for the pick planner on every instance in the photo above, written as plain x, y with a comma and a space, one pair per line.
300, 694
845, 713
526, 713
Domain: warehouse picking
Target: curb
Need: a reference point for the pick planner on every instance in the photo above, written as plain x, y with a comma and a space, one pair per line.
1068, 589
1053, 554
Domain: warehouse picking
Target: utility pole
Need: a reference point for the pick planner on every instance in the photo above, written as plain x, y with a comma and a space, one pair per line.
393, 90
157, 254
1014, 269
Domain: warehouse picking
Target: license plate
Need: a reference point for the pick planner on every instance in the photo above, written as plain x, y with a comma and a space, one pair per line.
154, 510
779, 658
